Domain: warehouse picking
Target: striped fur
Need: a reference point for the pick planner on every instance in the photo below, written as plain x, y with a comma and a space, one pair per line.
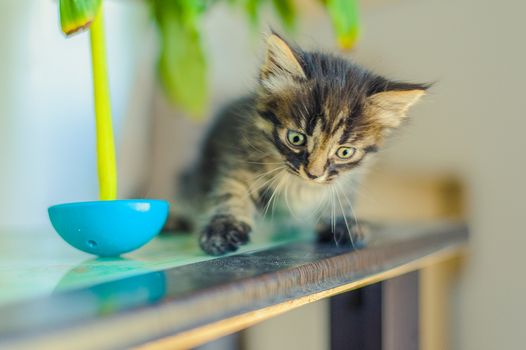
248, 164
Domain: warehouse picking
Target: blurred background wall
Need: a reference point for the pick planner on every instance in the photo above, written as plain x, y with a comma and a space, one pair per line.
470, 126
46, 106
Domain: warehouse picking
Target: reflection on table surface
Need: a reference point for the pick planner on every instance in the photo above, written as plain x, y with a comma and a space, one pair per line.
36, 263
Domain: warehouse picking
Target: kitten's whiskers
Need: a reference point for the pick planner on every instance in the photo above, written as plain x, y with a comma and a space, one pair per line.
278, 189
287, 186
260, 177
350, 205
345, 219
333, 214
273, 193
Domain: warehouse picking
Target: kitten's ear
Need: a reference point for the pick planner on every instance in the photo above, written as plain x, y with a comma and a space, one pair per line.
390, 107
281, 64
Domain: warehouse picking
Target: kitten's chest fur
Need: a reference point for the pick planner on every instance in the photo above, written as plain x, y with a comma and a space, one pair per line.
292, 195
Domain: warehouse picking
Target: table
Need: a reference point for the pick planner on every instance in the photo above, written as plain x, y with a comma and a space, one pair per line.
169, 294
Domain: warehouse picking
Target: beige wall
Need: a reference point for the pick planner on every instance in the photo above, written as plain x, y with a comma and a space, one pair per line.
472, 124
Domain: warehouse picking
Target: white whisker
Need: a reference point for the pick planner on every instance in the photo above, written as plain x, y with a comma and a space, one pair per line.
272, 196
278, 189
333, 215
258, 179
268, 185
345, 219
350, 205
287, 186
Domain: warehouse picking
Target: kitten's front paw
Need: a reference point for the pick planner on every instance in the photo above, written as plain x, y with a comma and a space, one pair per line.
352, 233
224, 234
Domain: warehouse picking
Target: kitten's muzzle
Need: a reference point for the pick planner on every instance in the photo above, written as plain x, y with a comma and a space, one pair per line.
307, 175
311, 176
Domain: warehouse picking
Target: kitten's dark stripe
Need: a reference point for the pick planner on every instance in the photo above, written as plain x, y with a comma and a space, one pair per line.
351, 121
333, 173
316, 109
310, 175
338, 125
270, 116
371, 149
311, 123
379, 84
222, 197
291, 168
349, 166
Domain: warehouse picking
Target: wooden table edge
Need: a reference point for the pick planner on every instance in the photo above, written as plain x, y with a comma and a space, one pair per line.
205, 333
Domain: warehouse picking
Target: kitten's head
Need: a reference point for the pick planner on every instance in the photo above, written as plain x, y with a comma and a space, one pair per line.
325, 114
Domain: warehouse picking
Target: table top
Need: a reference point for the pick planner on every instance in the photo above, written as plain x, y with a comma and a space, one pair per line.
52, 295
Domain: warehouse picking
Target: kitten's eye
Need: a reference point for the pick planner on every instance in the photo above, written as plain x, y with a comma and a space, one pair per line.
345, 152
296, 138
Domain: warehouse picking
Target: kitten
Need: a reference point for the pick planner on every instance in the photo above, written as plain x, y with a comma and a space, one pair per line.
302, 139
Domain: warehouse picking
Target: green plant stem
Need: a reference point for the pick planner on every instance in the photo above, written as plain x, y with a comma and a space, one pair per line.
106, 165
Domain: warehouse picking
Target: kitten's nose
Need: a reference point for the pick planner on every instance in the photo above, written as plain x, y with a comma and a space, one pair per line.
315, 170
311, 176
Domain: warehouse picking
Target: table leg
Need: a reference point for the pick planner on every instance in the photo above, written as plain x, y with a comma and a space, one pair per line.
382, 316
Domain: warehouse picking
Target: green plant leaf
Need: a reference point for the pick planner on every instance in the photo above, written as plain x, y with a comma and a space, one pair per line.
252, 9
286, 11
77, 15
344, 16
182, 64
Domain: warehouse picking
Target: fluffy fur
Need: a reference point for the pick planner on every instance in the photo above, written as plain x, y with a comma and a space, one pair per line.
299, 141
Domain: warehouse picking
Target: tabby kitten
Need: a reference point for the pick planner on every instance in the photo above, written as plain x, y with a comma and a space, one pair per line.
298, 142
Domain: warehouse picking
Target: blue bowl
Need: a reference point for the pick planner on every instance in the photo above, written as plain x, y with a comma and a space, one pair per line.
109, 228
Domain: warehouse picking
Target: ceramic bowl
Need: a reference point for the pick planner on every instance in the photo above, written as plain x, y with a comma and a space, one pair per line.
109, 228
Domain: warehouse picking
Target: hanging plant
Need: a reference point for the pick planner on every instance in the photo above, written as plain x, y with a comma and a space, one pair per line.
182, 61
77, 15
285, 9
344, 16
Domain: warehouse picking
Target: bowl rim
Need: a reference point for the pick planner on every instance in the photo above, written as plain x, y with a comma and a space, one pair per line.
112, 202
